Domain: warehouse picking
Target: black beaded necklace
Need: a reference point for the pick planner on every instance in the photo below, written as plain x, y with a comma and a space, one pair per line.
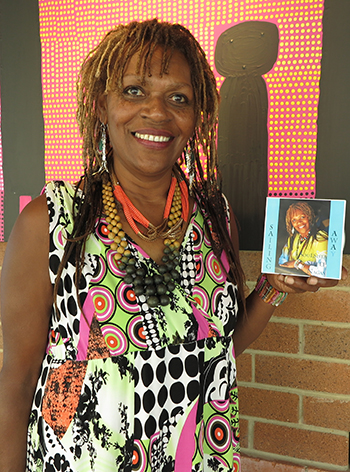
158, 287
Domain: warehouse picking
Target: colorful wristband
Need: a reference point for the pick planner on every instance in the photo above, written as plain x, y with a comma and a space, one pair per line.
268, 293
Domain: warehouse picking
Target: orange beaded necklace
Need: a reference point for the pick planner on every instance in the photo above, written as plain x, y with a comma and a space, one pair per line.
175, 212
156, 288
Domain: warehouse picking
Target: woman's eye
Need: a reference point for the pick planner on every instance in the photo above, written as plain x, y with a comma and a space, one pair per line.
179, 98
133, 91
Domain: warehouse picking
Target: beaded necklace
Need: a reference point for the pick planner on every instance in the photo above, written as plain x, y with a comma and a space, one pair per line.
157, 287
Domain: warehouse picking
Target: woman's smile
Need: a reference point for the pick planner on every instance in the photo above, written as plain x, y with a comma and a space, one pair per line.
154, 139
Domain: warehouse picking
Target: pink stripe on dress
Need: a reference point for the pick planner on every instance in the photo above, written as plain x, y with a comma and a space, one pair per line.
85, 323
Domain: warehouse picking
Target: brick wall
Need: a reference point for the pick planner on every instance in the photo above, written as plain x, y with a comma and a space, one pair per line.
294, 382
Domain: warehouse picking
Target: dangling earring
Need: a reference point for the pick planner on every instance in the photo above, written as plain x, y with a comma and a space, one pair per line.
190, 163
102, 149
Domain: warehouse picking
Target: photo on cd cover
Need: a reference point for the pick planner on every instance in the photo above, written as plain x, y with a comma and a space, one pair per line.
304, 237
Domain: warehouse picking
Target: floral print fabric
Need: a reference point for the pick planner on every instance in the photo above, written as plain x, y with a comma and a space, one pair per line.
125, 387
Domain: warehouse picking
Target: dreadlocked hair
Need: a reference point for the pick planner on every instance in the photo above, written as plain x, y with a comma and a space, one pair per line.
102, 72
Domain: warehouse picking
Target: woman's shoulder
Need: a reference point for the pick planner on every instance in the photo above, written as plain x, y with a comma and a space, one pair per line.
33, 222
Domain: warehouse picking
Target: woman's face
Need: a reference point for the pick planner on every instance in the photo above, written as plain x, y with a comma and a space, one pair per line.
150, 123
300, 222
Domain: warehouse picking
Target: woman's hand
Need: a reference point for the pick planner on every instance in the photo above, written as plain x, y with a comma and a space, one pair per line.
290, 284
288, 264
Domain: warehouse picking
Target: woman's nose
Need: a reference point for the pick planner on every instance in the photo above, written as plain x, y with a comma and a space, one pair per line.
156, 109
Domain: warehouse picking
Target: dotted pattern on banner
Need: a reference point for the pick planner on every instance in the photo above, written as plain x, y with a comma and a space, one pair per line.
70, 29
1, 185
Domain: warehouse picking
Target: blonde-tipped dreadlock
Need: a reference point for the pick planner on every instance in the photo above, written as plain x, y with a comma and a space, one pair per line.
101, 73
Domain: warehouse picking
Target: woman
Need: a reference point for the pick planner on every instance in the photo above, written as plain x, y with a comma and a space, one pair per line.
306, 248
120, 352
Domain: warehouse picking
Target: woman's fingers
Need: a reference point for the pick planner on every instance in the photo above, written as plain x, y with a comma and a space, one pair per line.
291, 284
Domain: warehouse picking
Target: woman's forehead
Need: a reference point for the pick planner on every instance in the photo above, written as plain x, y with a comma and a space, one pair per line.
161, 61
297, 212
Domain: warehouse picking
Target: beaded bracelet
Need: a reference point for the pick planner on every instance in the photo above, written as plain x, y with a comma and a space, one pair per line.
268, 293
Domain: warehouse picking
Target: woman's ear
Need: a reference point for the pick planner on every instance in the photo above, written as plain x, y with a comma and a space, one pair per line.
102, 108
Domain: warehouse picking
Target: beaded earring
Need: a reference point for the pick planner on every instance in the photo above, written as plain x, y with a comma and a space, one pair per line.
190, 163
102, 149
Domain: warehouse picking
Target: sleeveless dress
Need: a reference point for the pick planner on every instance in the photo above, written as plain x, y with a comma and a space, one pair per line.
125, 387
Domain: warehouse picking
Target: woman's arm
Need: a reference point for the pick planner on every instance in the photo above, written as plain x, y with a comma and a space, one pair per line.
258, 313
26, 300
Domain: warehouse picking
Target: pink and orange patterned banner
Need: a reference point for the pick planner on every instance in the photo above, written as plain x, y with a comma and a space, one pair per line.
70, 28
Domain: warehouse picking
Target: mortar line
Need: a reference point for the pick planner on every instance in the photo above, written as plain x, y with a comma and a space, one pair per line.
300, 427
270, 457
307, 357
302, 321
295, 391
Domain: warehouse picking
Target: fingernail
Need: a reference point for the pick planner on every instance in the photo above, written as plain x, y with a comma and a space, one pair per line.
312, 281
288, 280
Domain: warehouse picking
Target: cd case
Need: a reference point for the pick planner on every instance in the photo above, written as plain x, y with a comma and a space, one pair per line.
304, 237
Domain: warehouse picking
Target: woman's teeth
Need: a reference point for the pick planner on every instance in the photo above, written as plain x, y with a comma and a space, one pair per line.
152, 137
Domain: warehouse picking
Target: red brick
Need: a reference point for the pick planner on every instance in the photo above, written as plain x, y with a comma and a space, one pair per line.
250, 464
327, 413
327, 341
325, 305
243, 430
303, 374
251, 263
268, 404
244, 368
302, 444
279, 337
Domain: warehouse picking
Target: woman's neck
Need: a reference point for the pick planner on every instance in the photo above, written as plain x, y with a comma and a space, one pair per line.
148, 194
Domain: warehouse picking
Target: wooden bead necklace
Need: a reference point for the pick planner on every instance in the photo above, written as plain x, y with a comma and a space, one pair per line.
157, 287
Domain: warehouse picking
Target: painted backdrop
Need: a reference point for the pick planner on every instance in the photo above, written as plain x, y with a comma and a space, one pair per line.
70, 28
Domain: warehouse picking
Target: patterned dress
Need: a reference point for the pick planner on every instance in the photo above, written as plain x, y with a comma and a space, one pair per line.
125, 387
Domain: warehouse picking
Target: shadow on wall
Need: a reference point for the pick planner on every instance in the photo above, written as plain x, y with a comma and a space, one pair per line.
243, 54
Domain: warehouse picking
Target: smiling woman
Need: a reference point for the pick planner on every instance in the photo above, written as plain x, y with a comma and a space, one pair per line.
151, 119
123, 306
306, 248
